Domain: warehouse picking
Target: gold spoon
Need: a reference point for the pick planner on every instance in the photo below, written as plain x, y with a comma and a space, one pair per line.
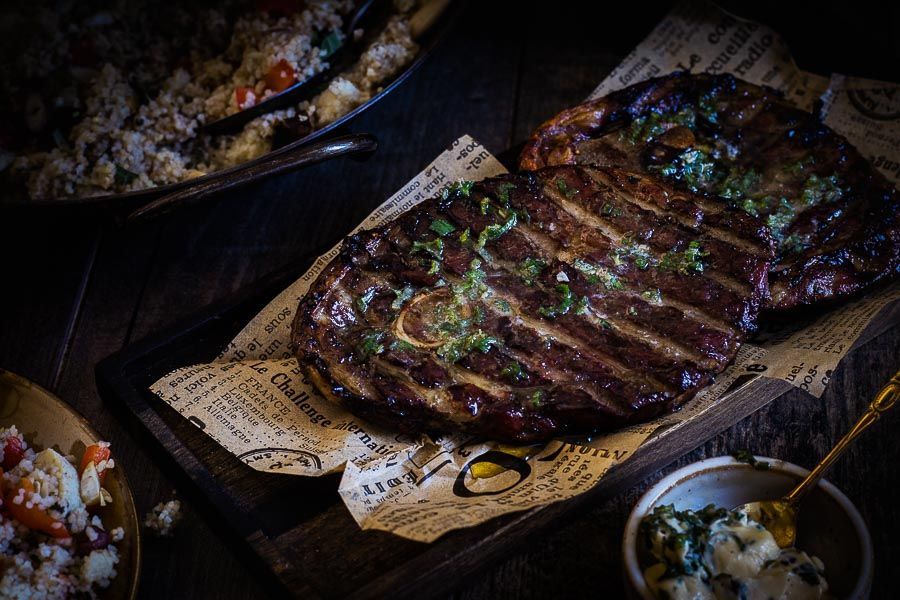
780, 516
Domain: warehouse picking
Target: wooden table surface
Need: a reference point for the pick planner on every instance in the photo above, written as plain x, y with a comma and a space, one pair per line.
77, 288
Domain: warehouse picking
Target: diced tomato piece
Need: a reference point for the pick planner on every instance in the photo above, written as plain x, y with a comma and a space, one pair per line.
12, 452
280, 8
245, 97
95, 453
33, 517
281, 76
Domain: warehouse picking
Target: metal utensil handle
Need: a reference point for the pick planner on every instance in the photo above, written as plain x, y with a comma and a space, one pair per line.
424, 18
275, 165
883, 402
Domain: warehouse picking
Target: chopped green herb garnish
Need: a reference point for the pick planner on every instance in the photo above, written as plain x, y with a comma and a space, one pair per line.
434, 266
564, 188
694, 167
460, 189
793, 244
362, 303
524, 215
819, 190
536, 398
643, 128
435, 247
513, 372
485, 204
780, 214
738, 183
441, 227
457, 348
654, 124
492, 232
653, 296
745, 456
472, 285
123, 176
331, 43
371, 345
597, 274
503, 192
530, 269
464, 236
687, 262
801, 165
566, 300
582, 306
402, 296
400, 345
610, 210
478, 315
638, 253
707, 108
503, 306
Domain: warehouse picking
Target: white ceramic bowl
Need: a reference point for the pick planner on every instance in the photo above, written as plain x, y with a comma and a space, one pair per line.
829, 525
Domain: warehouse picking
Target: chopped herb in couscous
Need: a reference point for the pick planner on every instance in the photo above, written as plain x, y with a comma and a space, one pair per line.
53, 543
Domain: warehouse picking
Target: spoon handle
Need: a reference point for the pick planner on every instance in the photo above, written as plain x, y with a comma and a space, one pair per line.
883, 402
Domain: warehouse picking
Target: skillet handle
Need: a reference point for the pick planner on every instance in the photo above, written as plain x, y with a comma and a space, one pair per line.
356, 144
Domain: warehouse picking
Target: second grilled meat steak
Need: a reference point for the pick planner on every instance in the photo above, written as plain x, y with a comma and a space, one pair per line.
529, 306
836, 219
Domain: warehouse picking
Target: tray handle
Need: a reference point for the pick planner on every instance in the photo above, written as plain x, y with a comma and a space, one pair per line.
361, 144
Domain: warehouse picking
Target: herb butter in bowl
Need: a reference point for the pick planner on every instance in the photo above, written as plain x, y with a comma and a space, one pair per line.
683, 540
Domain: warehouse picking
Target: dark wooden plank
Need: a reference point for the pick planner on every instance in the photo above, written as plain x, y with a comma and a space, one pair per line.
104, 325
560, 68
47, 260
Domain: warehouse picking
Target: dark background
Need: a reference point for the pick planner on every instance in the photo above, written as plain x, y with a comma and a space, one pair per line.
77, 288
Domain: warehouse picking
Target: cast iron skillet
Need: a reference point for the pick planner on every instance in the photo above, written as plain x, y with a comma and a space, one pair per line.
296, 154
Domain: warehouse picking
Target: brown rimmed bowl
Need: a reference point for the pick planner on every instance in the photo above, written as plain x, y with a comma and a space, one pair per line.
48, 422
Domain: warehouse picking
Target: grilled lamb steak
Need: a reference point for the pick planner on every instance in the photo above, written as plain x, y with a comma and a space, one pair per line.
835, 218
528, 306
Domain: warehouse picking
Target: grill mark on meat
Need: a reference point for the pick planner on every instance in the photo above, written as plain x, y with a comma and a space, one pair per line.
638, 277
617, 237
713, 231
543, 328
670, 348
438, 399
755, 151
618, 358
635, 335
509, 280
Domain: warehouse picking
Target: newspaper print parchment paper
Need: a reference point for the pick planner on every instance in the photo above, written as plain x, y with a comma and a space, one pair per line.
254, 402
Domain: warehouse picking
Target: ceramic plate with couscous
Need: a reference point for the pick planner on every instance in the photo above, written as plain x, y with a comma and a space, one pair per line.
53, 542
68, 525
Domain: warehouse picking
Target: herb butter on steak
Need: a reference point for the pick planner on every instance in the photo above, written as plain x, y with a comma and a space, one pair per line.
523, 307
835, 218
